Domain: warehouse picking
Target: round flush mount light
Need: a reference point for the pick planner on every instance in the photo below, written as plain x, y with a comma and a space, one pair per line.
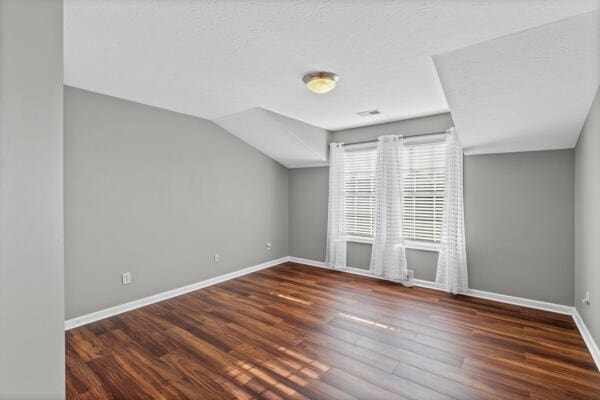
320, 82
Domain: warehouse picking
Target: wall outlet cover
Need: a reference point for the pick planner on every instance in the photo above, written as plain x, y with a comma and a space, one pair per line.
586, 300
126, 278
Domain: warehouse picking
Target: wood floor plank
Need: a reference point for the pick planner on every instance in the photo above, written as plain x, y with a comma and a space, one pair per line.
299, 332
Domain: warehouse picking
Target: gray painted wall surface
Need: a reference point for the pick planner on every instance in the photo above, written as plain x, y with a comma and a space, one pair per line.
519, 224
513, 246
309, 189
158, 193
31, 201
587, 220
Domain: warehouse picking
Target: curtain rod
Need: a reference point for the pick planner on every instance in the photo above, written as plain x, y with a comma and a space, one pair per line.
407, 137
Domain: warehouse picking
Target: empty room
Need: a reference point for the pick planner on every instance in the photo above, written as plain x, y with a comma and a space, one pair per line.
276, 199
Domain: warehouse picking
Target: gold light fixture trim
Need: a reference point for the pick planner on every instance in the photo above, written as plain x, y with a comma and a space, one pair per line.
320, 82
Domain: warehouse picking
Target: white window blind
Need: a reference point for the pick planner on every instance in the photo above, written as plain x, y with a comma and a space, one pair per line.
359, 192
423, 199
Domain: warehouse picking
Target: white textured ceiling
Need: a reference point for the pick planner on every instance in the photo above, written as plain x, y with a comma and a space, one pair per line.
215, 58
526, 91
292, 143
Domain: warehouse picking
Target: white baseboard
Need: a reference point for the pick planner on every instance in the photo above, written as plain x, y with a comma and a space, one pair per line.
132, 305
587, 337
306, 261
521, 301
502, 298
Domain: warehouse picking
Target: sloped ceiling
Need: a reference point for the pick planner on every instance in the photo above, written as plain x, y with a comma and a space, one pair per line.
224, 60
527, 91
292, 143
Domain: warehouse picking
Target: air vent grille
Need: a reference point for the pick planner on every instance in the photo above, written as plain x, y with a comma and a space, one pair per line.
369, 113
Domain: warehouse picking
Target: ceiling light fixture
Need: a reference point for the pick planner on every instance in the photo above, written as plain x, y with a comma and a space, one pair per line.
320, 82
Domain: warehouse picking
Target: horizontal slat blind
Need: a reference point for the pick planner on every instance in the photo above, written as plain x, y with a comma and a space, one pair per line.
423, 200
359, 190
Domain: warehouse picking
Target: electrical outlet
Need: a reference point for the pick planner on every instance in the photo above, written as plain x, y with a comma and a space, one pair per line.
269, 246
586, 300
126, 278
217, 257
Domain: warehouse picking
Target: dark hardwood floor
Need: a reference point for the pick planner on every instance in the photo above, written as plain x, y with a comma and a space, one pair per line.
298, 332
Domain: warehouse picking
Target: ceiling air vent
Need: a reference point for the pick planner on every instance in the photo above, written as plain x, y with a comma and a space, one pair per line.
369, 113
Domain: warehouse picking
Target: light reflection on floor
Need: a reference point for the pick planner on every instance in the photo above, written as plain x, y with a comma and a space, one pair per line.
297, 300
366, 321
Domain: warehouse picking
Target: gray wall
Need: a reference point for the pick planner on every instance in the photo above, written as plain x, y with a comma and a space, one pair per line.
519, 224
587, 220
158, 193
31, 203
309, 188
513, 246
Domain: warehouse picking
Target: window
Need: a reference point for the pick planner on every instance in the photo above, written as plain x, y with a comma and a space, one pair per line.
359, 191
423, 199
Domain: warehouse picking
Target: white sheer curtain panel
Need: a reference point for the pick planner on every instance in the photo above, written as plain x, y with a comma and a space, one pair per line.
335, 256
452, 261
388, 257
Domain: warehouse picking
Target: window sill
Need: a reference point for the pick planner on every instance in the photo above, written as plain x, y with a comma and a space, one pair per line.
409, 244
359, 239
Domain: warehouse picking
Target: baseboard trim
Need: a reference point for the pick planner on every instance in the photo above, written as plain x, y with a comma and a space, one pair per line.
306, 261
521, 301
132, 305
587, 337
